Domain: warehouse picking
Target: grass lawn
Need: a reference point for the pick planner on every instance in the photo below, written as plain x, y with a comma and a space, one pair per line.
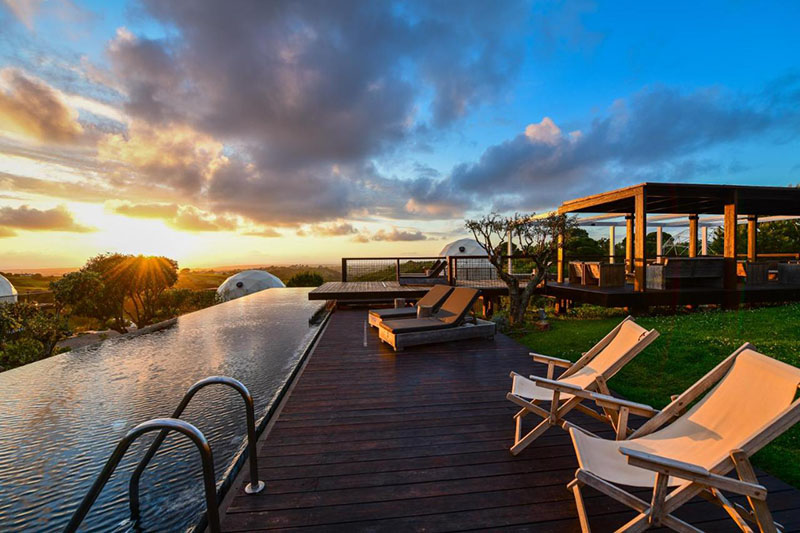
689, 346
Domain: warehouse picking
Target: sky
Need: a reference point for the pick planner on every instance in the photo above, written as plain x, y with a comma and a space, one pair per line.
251, 132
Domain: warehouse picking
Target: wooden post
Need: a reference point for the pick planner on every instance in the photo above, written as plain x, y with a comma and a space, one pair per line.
659, 244
611, 238
704, 244
640, 251
397, 269
629, 243
344, 269
693, 235
752, 238
729, 249
560, 261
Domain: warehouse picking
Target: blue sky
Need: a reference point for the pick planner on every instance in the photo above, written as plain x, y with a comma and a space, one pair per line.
377, 126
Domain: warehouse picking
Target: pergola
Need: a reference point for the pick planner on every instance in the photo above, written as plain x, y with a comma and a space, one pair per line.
668, 202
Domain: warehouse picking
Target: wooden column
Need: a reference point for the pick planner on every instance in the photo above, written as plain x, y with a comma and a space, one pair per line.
704, 242
560, 261
729, 249
640, 235
611, 239
752, 238
659, 244
693, 235
629, 243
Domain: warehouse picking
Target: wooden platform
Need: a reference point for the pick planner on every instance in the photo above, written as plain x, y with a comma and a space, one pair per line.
626, 297
370, 440
388, 290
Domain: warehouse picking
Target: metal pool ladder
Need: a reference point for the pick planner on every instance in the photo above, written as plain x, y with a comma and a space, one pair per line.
164, 426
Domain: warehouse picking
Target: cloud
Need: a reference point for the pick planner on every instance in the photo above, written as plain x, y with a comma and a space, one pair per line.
264, 232
192, 219
303, 95
653, 131
35, 109
334, 229
393, 235
32, 219
7, 232
171, 155
147, 210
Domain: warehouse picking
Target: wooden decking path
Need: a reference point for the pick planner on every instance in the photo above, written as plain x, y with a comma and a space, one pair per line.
370, 440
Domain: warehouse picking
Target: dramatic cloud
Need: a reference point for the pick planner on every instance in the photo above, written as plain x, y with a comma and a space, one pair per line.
307, 93
29, 218
170, 155
654, 129
35, 109
147, 210
7, 232
264, 232
334, 229
192, 219
394, 235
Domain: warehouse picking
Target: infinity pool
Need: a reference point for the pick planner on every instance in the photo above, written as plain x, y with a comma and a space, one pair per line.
60, 418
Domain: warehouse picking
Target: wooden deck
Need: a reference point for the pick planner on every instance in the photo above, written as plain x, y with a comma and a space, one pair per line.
352, 291
370, 440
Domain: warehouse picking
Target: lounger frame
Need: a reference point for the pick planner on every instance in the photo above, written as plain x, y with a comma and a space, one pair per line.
476, 329
558, 409
707, 483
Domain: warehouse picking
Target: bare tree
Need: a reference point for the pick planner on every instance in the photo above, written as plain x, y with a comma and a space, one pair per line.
535, 237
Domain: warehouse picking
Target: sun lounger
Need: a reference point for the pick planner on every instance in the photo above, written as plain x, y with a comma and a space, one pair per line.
588, 374
684, 454
447, 324
434, 299
411, 278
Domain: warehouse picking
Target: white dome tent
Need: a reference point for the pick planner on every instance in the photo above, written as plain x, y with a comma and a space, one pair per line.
8, 294
469, 269
247, 282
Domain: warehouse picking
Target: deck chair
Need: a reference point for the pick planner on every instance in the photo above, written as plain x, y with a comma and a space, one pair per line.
434, 299
588, 374
450, 316
682, 453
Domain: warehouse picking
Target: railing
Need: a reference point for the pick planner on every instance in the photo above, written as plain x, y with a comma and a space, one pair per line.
165, 425
385, 268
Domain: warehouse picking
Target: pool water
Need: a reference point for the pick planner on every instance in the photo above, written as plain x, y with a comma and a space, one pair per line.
60, 418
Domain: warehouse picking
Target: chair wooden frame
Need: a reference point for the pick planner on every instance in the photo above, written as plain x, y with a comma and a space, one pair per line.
618, 417
707, 483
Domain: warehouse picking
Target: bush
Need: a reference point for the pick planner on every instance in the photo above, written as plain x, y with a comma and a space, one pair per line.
305, 279
20, 352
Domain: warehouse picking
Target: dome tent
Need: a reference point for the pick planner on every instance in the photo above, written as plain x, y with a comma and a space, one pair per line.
247, 282
473, 268
8, 294
462, 247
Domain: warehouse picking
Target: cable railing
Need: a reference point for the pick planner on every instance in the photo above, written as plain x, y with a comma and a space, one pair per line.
164, 426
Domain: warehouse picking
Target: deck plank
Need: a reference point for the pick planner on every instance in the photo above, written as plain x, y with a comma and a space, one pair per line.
372, 440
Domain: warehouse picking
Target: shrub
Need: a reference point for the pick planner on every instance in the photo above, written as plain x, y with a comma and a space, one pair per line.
20, 352
305, 279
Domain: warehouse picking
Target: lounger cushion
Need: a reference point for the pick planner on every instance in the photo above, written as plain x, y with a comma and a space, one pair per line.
457, 305
753, 392
436, 296
412, 325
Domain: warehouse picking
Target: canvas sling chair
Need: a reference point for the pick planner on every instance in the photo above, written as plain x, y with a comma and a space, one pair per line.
682, 453
589, 373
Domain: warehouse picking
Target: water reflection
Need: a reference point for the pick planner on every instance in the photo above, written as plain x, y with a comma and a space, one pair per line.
60, 418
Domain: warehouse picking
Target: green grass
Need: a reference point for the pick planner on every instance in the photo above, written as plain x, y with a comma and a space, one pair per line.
690, 344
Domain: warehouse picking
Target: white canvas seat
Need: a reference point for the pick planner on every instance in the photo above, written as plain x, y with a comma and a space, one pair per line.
753, 400
588, 374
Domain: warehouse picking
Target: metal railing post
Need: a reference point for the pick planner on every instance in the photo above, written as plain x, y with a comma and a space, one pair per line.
255, 486
165, 425
344, 269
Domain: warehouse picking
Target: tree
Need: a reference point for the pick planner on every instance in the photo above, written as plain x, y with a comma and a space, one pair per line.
28, 333
534, 237
145, 278
305, 279
111, 286
781, 236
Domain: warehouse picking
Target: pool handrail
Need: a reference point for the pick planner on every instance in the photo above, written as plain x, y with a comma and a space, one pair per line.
254, 487
165, 425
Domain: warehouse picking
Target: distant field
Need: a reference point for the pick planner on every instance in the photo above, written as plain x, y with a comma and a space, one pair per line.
187, 278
